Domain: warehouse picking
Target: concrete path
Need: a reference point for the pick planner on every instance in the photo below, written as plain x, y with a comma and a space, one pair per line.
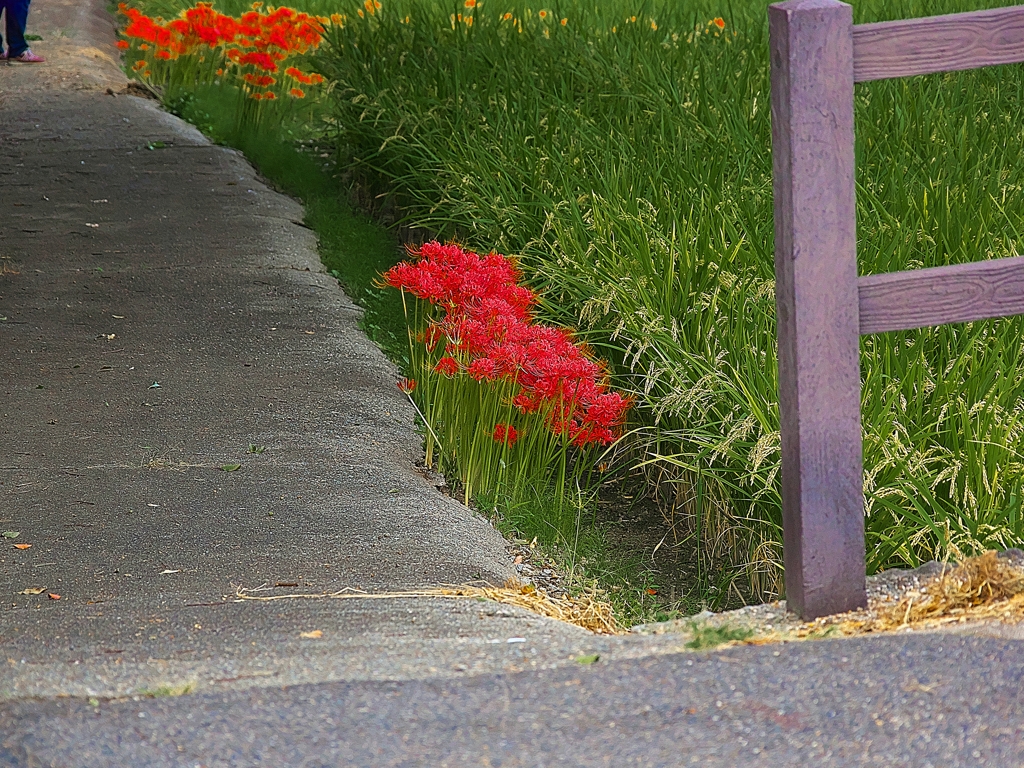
161, 311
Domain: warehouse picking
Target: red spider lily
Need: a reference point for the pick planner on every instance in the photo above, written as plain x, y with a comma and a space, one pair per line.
253, 46
447, 366
260, 80
489, 333
505, 433
483, 368
297, 74
259, 59
407, 385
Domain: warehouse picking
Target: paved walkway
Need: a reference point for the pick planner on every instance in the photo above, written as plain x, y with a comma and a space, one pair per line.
162, 311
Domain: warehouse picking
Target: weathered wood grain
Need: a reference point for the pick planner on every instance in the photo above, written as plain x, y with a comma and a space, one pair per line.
938, 44
898, 301
811, 48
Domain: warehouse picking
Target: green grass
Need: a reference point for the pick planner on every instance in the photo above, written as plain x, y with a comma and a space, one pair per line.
627, 164
580, 550
705, 636
630, 170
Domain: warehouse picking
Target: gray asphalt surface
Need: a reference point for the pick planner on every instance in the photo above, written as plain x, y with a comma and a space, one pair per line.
125, 264
894, 701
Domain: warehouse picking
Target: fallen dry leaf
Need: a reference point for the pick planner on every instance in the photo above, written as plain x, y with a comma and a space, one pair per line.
33, 591
53, 596
316, 634
22, 546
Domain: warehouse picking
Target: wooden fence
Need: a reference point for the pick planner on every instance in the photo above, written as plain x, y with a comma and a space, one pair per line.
823, 308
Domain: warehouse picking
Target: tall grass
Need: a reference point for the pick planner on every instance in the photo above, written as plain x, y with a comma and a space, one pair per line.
624, 157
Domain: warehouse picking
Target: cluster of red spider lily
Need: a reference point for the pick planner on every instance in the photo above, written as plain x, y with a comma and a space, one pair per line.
251, 49
488, 333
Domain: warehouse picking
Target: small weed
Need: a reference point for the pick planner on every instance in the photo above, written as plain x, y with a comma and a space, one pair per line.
167, 690
253, 448
707, 636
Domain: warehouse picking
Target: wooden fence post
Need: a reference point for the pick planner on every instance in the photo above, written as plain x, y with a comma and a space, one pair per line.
816, 304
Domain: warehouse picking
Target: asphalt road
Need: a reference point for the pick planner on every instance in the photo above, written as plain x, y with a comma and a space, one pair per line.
921, 700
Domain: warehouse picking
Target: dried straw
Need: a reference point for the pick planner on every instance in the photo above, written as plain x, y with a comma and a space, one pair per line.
585, 610
983, 588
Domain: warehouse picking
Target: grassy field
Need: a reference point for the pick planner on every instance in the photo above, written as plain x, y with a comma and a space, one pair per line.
625, 157
622, 152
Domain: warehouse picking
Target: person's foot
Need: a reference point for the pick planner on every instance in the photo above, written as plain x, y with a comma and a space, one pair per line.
27, 57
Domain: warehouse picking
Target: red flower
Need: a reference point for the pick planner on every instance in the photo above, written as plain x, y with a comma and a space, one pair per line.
505, 433
485, 318
260, 80
447, 366
259, 59
407, 385
482, 368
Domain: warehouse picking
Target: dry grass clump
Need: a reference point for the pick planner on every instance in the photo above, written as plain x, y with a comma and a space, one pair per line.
980, 588
585, 609
978, 582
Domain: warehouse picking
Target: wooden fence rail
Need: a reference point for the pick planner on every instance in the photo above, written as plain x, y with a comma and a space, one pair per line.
817, 54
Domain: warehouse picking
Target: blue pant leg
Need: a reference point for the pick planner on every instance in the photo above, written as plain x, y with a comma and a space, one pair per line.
16, 12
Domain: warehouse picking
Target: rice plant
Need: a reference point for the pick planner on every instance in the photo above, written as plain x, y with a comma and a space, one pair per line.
623, 155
